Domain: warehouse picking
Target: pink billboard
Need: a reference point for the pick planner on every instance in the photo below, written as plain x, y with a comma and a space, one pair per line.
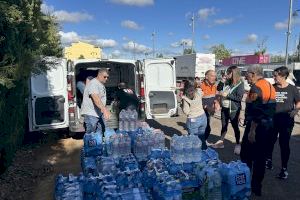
246, 60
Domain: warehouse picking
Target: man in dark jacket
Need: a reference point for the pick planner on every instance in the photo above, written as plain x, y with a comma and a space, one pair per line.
260, 109
126, 97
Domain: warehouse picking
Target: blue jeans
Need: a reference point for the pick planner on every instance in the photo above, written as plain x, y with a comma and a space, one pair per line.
94, 124
197, 126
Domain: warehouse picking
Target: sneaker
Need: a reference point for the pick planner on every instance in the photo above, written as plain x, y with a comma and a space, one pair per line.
269, 164
237, 149
283, 174
208, 144
218, 145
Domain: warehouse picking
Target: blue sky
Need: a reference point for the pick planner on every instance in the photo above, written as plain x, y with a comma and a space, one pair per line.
123, 28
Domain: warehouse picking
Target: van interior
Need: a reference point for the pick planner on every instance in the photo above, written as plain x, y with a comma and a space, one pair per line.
118, 72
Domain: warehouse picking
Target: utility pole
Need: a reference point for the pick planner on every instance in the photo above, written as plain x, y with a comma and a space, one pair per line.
133, 50
288, 33
153, 43
193, 31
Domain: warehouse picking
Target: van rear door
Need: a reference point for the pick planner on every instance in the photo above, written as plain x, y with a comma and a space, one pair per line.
48, 100
160, 85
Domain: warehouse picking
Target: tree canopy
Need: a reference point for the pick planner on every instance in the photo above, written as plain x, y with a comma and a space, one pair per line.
221, 51
26, 35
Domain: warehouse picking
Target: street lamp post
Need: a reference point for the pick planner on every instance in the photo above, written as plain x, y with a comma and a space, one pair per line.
153, 43
288, 33
193, 32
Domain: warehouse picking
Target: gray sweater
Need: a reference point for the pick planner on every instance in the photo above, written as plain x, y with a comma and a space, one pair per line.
193, 107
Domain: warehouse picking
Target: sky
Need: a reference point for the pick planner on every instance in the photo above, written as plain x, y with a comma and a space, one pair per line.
131, 28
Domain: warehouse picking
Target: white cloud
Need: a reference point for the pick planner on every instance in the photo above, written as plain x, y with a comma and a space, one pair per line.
134, 2
69, 37
116, 54
134, 47
204, 13
130, 24
284, 25
223, 21
170, 34
65, 16
205, 37
250, 39
280, 25
186, 42
105, 43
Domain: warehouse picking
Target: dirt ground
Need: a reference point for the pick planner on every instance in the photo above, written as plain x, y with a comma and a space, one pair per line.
35, 166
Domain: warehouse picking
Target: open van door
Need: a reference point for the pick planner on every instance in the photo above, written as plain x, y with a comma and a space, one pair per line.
160, 85
48, 99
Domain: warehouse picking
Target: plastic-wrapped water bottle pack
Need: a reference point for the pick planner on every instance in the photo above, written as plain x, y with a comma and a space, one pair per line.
186, 149
166, 187
93, 144
118, 145
128, 120
128, 162
236, 182
69, 188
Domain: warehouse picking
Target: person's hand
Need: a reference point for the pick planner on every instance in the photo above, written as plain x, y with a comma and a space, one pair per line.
293, 113
217, 106
106, 114
224, 94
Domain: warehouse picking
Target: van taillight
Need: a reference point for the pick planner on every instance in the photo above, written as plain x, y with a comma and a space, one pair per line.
70, 88
142, 89
72, 112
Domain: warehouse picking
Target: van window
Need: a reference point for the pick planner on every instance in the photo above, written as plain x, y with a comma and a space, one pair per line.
243, 73
297, 76
268, 74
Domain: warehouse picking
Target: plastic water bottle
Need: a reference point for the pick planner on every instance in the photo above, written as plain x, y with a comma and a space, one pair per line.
126, 120
132, 119
121, 120
214, 185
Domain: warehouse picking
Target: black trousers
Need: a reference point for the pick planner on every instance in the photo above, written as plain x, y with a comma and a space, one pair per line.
254, 154
234, 120
208, 129
283, 125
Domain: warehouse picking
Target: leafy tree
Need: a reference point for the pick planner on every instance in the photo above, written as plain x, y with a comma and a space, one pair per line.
26, 36
221, 51
261, 47
188, 51
277, 59
160, 55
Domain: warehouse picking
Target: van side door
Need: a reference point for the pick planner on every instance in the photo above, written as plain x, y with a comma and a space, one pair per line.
160, 86
48, 98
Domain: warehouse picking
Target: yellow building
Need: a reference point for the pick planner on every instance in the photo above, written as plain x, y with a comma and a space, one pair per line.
80, 50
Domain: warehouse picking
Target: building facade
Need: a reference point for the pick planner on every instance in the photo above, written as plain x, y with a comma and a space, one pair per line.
82, 50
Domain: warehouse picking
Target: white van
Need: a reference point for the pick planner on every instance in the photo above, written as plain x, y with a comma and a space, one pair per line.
55, 101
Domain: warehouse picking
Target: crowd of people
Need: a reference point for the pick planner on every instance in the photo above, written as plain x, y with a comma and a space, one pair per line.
270, 111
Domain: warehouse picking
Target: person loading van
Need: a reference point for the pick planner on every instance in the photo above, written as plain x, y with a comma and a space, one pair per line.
94, 100
126, 97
